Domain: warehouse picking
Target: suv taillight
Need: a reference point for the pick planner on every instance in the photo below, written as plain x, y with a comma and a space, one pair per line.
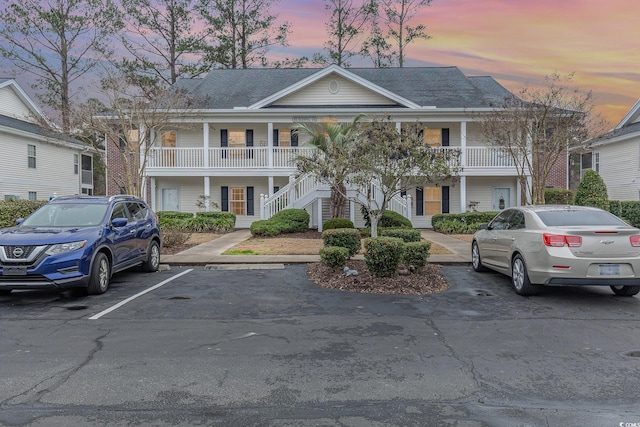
559, 240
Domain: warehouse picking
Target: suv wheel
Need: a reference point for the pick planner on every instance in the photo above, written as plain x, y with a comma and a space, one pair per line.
153, 258
100, 274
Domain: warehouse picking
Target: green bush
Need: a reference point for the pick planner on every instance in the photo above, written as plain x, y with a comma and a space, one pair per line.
406, 234
265, 228
334, 256
220, 222
292, 220
171, 222
389, 219
348, 238
592, 191
463, 223
558, 196
11, 210
174, 214
628, 210
383, 255
416, 254
334, 223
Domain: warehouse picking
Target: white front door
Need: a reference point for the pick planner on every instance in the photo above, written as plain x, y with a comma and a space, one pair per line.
170, 199
501, 198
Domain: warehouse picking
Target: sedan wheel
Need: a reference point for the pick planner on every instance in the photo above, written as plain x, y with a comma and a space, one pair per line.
153, 258
476, 261
100, 275
520, 278
625, 291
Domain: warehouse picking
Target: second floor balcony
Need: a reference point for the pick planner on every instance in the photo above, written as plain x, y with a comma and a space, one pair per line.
284, 158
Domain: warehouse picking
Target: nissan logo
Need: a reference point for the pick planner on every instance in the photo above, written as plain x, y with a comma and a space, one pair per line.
18, 252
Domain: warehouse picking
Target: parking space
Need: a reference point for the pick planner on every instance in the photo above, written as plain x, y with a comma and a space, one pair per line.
258, 347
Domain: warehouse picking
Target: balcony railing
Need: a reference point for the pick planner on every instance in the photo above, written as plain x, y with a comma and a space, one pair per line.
285, 157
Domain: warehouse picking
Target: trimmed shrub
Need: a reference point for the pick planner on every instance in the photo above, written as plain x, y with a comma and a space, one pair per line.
334, 256
406, 234
592, 191
266, 228
383, 255
292, 220
171, 222
174, 214
628, 210
558, 196
463, 223
220, 222
334, 223
416, 254
11, 210
389, 219
348, 238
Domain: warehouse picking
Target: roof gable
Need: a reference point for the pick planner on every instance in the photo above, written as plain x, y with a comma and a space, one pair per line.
14, 102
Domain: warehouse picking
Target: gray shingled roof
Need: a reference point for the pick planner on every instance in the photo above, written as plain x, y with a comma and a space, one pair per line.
442, 87
21, 125
625, 130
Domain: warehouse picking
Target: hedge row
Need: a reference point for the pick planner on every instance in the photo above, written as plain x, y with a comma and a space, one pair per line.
212, 222
463, 223
11, 210
284, 221
627, 210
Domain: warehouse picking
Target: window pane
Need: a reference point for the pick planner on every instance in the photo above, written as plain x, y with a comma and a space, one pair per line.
169, 138
433, 137
285, 138
432, 200
237, 201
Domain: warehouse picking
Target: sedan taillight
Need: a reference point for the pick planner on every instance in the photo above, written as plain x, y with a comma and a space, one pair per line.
559, 240
635, 241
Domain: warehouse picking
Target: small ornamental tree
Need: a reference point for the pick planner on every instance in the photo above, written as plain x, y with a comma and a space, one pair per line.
592, 191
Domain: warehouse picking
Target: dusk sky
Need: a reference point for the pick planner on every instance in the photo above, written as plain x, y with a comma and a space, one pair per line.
516, 42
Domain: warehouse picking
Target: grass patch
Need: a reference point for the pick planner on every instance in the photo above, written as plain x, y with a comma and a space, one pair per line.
240, 252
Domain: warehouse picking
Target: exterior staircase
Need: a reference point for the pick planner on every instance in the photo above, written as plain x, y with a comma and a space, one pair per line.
303, 191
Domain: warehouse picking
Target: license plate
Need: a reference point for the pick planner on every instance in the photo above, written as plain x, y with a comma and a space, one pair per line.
14, 271
609, 269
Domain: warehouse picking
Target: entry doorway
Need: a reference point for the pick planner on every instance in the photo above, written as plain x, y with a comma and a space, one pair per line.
501, 198
170, 199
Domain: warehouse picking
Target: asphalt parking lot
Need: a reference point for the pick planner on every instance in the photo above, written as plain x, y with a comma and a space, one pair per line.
192, 347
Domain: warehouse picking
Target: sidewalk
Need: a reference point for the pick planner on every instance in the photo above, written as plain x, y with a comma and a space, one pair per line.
211, 252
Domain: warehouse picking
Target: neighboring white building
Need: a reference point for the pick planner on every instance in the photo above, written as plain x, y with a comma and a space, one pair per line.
237, 147
37, 163
616, 157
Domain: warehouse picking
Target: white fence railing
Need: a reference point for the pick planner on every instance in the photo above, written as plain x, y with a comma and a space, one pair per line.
285, 157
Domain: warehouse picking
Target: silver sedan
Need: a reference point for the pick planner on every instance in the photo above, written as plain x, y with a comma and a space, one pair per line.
560, 245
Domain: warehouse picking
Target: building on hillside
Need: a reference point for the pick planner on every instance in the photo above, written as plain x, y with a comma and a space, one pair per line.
237, 148
616, 157
38, 163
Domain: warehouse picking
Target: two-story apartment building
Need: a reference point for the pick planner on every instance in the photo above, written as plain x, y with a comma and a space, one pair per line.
237, 148
38, 163
616, 157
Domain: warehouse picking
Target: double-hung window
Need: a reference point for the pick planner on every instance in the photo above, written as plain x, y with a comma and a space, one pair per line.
75, 164
31, 156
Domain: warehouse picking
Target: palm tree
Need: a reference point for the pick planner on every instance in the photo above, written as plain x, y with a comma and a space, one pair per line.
330, 163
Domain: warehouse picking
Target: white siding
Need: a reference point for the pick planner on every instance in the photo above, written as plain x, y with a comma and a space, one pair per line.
480, 189
319, 93
620, 169
53, 172
12, 106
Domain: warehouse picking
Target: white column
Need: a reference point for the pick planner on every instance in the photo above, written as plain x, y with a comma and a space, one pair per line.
463, 143
352, 211
399, 127
292, 191
143, 159
205, 143
270, 148
319, 209
207, 194
270, 179
153, 194
262, 209
463, 194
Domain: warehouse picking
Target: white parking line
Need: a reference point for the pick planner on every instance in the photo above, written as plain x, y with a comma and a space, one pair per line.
120, 304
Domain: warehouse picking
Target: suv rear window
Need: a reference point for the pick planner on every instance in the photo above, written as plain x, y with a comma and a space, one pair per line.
567, 217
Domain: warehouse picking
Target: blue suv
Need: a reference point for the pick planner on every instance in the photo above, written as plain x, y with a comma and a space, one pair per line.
79, 241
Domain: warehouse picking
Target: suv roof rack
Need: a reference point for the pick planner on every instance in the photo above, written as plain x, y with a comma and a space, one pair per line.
122, 196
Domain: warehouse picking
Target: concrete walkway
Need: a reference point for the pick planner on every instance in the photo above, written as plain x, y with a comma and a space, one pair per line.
211, 252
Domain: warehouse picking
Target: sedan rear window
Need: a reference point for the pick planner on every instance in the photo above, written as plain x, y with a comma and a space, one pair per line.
567, 217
